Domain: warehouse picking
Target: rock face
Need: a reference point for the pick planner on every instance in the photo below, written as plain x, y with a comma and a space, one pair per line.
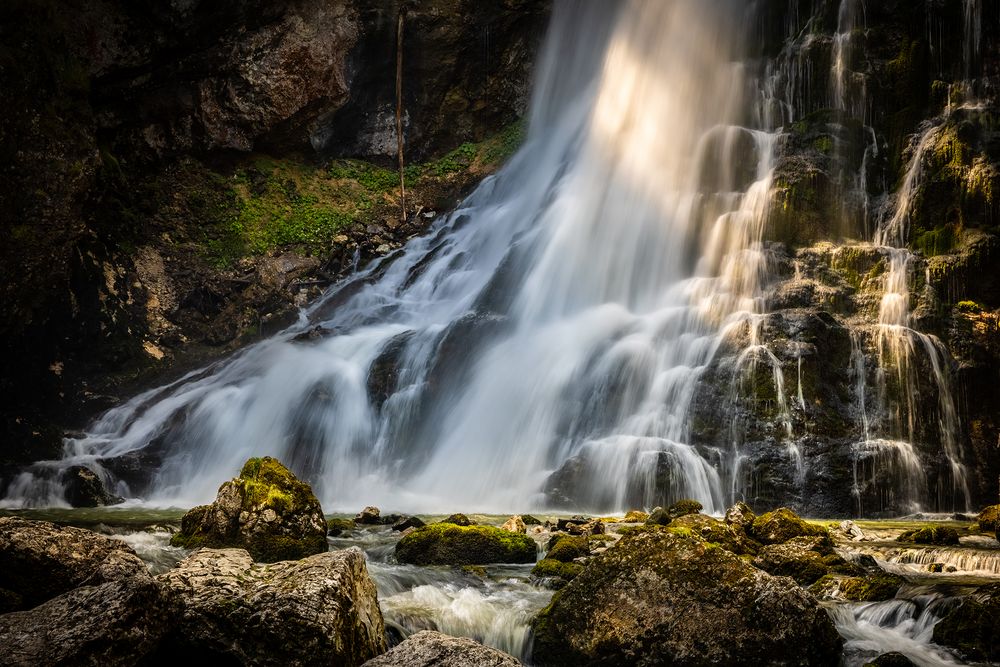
661, 597
321, 610
266, 510
117, 623
433, 649
40, 560
974, 627
451, 544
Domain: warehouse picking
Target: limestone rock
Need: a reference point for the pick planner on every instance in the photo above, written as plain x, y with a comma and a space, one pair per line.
266, 510
658, 597
116, 623
433, 649
369, 516
514, 525
451, 544
320, 610
40, 560
740, 514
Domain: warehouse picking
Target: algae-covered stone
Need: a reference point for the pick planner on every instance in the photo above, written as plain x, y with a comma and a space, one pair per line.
782, 525
635, 516
335, 527
530, 520
567, 547
974, 627
458, 520
939, 535
451, 544
683, 508
561, 573
728, 536
872, 588
266, 510
660, 597
989, 519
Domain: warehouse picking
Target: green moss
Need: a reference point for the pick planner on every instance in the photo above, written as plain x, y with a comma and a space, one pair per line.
823, 144
941, 535
450, 544
266, 482
568, 547
871, 589
335, 527
937, 241
782, 525
550, 567
459, 520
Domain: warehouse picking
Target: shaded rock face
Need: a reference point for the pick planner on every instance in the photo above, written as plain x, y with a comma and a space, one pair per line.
266, 510
40, 560
451, 544
117, 623
321, 610
662, 597
433, 649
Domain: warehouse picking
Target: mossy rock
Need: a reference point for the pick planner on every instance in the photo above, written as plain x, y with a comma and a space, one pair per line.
939, 535
567, 547
335, 527
874, 588
530, 520
635, 516
782, 525
793, 559
451, 544
266, 510
459, 520
730, 537
989, 519
974, 627
550, 568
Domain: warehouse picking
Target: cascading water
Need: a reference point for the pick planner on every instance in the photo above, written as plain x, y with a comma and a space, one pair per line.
563, 314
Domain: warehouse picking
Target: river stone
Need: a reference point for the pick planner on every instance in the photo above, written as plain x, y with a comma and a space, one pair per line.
433, 649
266, 510
660, 597
321, 610
451, 544
40, 560
116, 623
514, 525
782, 525
369, 516
799, 558
83, 488
974, 627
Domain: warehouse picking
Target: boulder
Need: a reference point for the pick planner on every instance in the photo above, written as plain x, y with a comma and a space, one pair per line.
683, 508
974, 627
893, 659
556, 573
335, 527
989, 519
851, 531
451, 544
83, 488
799, 558
407, 522
740, 514
566, 548
660, 597
939, 535
369, 516
115, 623
433, 649
321, 610
266, 510
870, 588
635, 516
40, 560
459, 520
782, 525
515, 525
530, 520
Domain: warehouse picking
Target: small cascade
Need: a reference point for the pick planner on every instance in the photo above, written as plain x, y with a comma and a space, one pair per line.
904, 625
957, 561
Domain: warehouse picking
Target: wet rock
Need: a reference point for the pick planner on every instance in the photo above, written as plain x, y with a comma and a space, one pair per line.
974, 627
40, 560
658, 517
851, 531
870, 588
555, 572
893, 659
683, 508
939, 535
452, 544
515, 525
115, 623
989, 519
458, 520
798, 558
369, 516
782, 525
740, 514
407, 522
266, 510
567, 548
530, 520
320, 610
683, 601
433, 649
335, 527
83, 488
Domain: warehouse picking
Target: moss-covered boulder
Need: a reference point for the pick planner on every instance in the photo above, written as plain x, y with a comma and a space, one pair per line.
740, 514
266, 510
451, 544
555, 572
660, 597
782, 525
566, 548
869, 588
974, 627
939, 535
335, 527
635, 516
800, 558
730, 537
458, 520
989, 519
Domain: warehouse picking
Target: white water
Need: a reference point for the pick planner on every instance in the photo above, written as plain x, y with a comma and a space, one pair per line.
565, 312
